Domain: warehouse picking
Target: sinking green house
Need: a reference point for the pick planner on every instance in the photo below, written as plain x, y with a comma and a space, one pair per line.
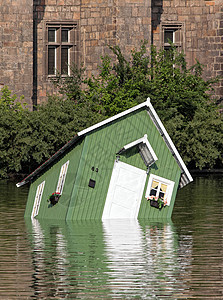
123, 167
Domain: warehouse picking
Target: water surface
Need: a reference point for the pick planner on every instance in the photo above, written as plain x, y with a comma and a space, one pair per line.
120, 259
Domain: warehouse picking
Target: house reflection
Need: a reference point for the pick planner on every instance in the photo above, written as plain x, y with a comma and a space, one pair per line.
143, 258
109, 259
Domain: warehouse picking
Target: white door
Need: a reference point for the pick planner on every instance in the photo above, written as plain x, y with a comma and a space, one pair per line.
125, 192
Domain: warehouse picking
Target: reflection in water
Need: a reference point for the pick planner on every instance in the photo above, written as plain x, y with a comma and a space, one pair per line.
113, 259
68, 259
49, 278
144, 259
119, 259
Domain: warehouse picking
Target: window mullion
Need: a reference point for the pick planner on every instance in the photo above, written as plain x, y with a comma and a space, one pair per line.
158, 189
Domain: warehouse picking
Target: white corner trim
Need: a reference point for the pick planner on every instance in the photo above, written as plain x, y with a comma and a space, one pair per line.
169, 140
109, 120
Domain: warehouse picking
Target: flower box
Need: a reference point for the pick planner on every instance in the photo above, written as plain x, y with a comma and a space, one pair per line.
54, 198
156, 204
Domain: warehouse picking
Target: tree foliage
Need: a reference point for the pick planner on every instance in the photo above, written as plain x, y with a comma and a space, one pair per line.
181, 97
28, 138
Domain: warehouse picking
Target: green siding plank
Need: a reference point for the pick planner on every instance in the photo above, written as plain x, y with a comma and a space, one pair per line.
74, 201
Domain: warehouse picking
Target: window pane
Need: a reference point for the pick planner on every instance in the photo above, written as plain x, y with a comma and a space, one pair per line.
64, 36
64, 60
161, 195
155, 184
153, 192
51, 60
51, 35
168, 36
154, 188
163, 187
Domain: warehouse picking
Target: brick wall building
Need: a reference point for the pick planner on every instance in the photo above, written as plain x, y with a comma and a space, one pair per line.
39, 36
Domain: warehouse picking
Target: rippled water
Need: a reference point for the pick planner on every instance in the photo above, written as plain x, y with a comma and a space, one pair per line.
178, 259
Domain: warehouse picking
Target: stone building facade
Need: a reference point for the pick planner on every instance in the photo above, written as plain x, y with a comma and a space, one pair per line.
198, 30
37, 37
16, 47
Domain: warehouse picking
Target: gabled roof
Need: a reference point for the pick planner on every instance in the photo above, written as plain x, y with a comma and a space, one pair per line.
185, 177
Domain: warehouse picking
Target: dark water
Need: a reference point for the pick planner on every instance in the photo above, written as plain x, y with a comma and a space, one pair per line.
178, 259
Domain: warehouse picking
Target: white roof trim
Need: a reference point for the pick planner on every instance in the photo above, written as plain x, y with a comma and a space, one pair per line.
145, 141
109, 120
169, 140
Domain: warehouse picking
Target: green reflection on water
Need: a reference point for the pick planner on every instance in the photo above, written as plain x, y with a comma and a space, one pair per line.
118, 259
109, 259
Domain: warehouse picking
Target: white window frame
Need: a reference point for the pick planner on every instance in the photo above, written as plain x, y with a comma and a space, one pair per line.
38, 198
62, 177
169, 183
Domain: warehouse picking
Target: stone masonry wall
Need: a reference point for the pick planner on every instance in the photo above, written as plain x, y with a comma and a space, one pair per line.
203, 32
109, 22
16, 46
100, 23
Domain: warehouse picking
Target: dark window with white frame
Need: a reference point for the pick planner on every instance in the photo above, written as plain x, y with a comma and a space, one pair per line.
61, 44
38, 198
173, 34
62, 177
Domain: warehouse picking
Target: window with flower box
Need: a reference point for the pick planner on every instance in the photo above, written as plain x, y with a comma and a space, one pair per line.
159, 188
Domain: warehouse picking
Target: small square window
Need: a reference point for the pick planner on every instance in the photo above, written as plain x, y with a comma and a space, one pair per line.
172, 33
92, 183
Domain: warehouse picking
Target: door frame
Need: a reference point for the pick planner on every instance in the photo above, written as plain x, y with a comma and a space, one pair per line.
111, 189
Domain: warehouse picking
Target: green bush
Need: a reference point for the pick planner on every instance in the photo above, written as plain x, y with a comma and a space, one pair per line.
28, 138
14, 134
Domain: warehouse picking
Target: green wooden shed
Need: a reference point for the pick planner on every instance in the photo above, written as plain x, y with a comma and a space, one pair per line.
123, 167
